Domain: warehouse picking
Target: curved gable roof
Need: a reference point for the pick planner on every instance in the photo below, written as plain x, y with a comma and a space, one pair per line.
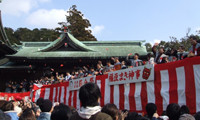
76, 43
66, 38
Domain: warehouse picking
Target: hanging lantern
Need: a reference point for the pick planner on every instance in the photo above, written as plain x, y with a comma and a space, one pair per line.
61, 65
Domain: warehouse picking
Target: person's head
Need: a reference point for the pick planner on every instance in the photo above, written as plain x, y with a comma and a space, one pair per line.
2, 102
173, 111
123, 63
27, 114
62, 75
45, 105
136, 56
165, 59
181, 48
98, 66
187, 117
7, 106
39, 101
149, 55
173, 52
99, 62
132, 116
151, 109
92, 69
197, 116
116, 59
52, 77
184, 110
67, 73
161, 50
61, 112
193, 39
111, 109
4, 116
89, 95
108, 63
80, 70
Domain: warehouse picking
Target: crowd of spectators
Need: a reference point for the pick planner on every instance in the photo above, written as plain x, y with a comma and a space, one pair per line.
159, 56
89, 95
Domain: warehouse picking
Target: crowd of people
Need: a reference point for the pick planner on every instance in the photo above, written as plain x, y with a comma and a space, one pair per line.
89, 95
159, 56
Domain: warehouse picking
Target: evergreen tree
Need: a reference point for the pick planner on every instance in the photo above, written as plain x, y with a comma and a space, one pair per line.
78, 26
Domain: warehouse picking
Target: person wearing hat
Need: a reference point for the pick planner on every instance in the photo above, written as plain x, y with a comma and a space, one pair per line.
195, 48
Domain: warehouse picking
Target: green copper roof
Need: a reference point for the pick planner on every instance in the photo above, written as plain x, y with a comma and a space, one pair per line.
91, 49
53, 44
79, 44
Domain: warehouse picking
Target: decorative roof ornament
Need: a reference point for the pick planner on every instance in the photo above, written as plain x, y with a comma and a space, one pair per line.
63, 26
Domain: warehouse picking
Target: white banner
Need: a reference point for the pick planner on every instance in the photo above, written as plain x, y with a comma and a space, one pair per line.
77, 83
132, 75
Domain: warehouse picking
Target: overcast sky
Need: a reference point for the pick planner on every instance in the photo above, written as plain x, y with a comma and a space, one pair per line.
150, 20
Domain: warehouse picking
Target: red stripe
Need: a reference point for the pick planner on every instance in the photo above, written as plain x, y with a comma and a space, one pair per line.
157, 89
112, 94
70, 98
33, 97
102, 78
190, 87
121, 97
75, 99
173, 86
132, 97
42, 92
144, 96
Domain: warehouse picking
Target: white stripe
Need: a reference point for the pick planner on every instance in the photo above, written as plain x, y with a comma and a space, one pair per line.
77, 101
116, 95
72, 99
126, 96
197, 85
107, 92
99, 84
67, 96
180, 73
54, 94
62, 94
58, 92
150, 92
164, 87
47, 93
137, 96
37, 94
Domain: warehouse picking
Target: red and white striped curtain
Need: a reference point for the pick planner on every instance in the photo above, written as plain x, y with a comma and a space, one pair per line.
175, 82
